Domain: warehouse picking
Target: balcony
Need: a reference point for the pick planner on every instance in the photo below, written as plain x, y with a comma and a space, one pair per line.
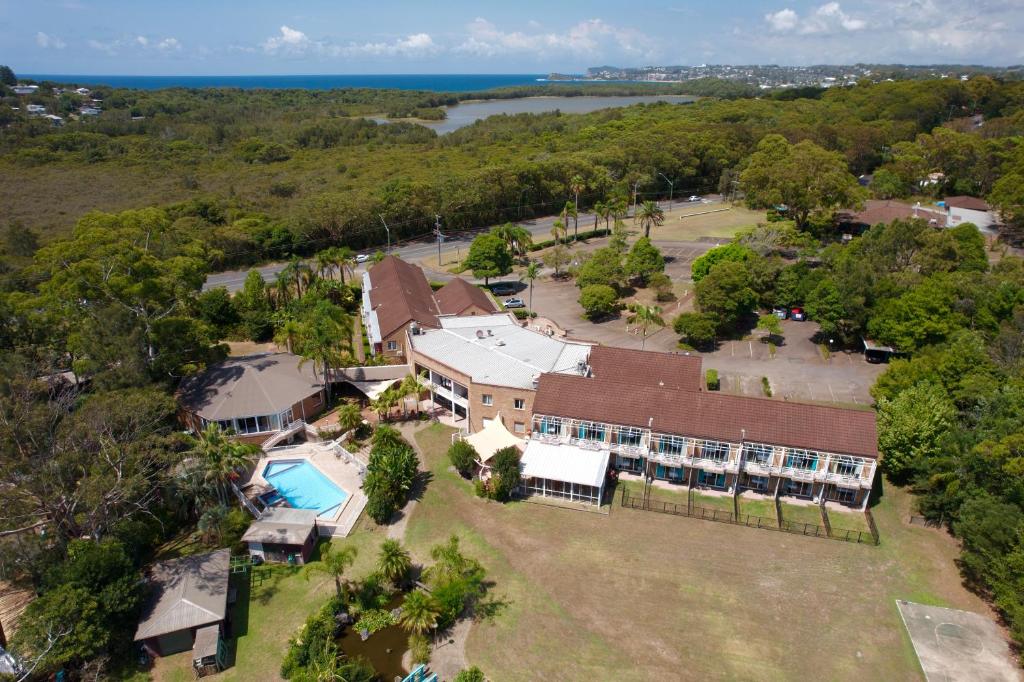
800, 474
845, 480
447, 393
715, 465
758, 469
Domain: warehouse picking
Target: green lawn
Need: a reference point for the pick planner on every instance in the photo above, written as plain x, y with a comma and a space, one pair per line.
759, 507
848, 520
720, 502
268, 614
801, 513
637, 595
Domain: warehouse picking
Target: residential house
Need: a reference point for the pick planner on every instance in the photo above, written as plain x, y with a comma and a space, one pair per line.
82, 91
283, 534
255, 396
396, 295
55, 121
35, 109
188, 602
24, 89
964, 209
481, 366
90, 111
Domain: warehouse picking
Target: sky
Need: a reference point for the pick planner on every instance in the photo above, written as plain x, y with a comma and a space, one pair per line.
210, 37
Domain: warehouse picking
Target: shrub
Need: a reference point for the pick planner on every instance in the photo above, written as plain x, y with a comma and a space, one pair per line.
316, 635
284, 189
699, 329
766, 387
711, 378
375, 620
598, 300
731, 252
389, 474
662, 286
419, 647
505, 467
463, 457
644, 260
481, 489
473, 674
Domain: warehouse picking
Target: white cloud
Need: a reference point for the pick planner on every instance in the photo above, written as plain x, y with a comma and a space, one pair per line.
588, 38
142, 40
138, 43
109, 48
295, 42
47, 41
826, 19
168, 44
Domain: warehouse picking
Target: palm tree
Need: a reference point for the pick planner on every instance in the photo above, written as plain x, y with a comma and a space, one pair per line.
345, 258
282, 287
517, 237
288, 333
332, 562
419, 613
293, 273
650, 215
394, 561
576, 185
599, 210
531, 273
219, 459
410, 385
644, 316
571, 210
384, 403
349, 417
326, 337
558, 229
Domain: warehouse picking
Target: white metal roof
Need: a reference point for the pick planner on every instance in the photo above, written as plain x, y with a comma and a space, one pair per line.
566, 463
495, 350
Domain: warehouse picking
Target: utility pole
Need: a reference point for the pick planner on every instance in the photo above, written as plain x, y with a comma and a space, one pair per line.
671, 188
636, 186
386, 230
437, 231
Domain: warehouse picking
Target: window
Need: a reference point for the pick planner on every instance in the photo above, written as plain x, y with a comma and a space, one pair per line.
847, 466
317, 400
519, 404
247, 425
549, 425
263, 423
671, 445
798, 488
802, 459
628, 435
715, 451
392, 345
757, 483
590, 431
844, 495
711, 479
519, 427
758, 454
487, 399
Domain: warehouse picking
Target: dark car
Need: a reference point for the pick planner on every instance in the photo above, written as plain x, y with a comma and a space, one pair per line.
798, 314
780, 312
503, 288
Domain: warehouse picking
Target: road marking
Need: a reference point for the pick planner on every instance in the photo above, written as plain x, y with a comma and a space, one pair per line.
831, 392
751, 345
810, 391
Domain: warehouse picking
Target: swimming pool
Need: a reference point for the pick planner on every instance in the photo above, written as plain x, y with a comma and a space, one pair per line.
305, 486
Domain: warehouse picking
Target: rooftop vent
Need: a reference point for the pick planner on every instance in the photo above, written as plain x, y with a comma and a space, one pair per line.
499, 343
479, 333
415, 329
490, 333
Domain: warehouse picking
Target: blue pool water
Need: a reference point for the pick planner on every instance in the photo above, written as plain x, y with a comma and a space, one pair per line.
304, 486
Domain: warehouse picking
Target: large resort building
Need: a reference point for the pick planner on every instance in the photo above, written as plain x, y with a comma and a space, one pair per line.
583, 410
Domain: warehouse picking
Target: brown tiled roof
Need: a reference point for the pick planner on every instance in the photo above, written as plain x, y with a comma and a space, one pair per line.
716, 416
668, 370
400, 293
876, 212
453, 298
970, 203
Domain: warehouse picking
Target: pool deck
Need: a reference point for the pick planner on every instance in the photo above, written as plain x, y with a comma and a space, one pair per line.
330, 459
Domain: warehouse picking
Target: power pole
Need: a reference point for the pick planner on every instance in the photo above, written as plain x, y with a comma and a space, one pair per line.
386, 230
636, 186
437, 232
671, 188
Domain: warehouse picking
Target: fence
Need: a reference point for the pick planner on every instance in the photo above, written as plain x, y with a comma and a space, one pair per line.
753, 521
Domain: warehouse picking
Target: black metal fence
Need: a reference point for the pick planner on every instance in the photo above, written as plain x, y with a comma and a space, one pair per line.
824, 530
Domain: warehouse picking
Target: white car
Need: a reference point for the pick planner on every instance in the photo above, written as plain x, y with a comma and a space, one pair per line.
362, 258
694, 198
514, 303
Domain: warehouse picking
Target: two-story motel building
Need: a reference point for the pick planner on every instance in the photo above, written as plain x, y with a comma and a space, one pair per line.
586, 409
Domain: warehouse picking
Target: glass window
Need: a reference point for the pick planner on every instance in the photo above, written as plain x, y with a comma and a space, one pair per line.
758, 453
590, 431
847, 466
247, 425
519, 404
671, 445
392, 345
487, 399
628, 435
715, 451
263, 423
802, 459
226, 425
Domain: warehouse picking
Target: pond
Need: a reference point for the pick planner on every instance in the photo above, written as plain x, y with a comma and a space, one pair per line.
469, 112
384, 649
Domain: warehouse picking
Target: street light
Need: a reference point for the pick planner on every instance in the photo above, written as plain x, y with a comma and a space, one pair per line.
521, 195
437, 231
671, 188
386, 230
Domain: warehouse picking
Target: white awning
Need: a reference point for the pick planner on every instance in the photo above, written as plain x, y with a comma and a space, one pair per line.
566, 463
373, 389
493, 437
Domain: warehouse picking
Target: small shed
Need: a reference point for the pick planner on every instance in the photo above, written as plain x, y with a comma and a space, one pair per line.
283, 534
876, 352
208, 652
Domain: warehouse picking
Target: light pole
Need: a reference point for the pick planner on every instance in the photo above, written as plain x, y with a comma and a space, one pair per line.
386, 230
521, 195
636, 186
437, 231
671, 188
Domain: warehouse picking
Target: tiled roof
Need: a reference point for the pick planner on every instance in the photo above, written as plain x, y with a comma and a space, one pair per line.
399, 294
715, 416
453, 298
970, 203
249, 386
668, 370
876, 212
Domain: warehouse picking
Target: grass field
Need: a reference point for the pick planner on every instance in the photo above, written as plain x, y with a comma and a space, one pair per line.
638, 596
801, 513
689, 223
268, 615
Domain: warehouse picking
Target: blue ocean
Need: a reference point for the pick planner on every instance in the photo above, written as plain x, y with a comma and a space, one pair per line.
434, 82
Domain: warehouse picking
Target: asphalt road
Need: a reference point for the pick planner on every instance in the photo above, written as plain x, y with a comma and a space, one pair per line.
540, 228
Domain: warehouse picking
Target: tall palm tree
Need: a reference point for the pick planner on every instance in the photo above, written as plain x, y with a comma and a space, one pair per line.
419, 613
287, 334
384, 403
517, 237
570, 210
349, 417
283, 287
599, 210
650, 215
345, 259
531, 273
394, 561
293, 274
558, 230
220, 459
324, 262
577, 185
325, 337
334, 562
644, 316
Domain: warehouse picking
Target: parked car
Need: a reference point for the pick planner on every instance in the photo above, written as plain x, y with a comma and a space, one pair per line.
514, 303
694, 198
798, 314
780, 312
503, 288
362, 258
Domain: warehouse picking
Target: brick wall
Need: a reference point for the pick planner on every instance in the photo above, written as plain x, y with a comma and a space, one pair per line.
503, 399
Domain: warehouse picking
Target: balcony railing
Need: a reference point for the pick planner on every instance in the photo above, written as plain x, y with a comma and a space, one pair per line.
846, 479
799, 474
449, 394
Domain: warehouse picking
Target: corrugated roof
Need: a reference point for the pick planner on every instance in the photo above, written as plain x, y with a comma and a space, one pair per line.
668, 370
564, 463
187, 593
399, 294
970, 203
282, 526
714, 416
249, 386
458, 295
496, 350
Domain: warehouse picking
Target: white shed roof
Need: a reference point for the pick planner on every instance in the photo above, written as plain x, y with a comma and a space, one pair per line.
495, 350
566, 463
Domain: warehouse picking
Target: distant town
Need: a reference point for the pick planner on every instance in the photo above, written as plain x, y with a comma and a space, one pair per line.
767, 76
